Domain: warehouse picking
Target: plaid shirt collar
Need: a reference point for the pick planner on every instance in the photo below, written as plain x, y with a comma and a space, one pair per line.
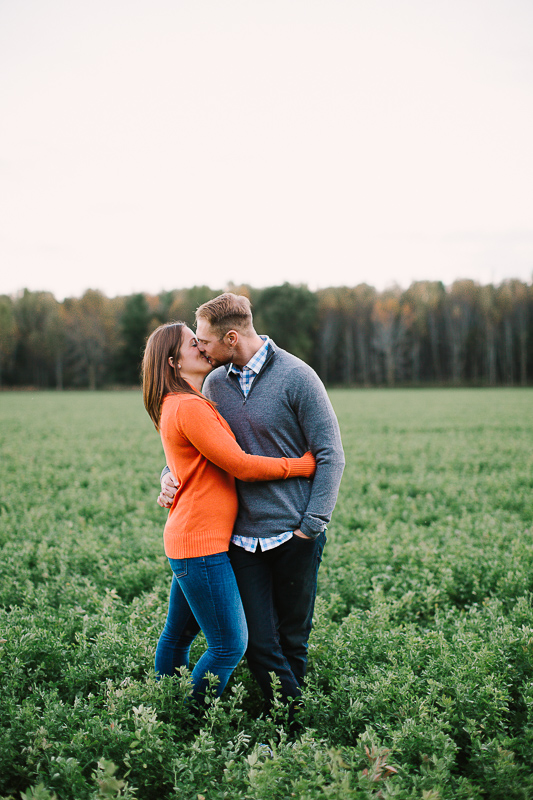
256, 362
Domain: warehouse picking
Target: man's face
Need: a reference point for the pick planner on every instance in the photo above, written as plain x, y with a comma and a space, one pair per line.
216, 352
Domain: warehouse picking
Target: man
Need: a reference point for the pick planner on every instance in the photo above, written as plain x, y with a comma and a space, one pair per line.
275, 405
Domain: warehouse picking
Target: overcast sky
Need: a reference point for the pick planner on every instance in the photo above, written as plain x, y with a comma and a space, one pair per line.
158, 144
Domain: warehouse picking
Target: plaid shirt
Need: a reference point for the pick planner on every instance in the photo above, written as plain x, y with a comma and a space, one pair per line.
247, 373
246, 377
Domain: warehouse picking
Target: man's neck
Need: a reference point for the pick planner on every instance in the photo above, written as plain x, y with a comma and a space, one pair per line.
248, 346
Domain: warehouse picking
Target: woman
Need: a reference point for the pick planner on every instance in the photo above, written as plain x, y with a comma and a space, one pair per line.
203, 455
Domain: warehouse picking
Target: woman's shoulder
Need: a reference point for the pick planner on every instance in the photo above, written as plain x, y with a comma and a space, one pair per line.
181, 409
183, 397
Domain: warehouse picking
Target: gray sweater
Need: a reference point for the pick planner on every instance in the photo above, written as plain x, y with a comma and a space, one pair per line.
286, 412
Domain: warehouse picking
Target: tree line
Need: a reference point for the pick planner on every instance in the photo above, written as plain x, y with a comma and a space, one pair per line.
464, 334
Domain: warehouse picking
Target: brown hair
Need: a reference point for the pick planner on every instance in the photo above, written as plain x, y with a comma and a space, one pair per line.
226, 312
159, 377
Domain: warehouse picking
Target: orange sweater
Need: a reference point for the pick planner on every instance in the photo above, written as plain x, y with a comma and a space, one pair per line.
204, 457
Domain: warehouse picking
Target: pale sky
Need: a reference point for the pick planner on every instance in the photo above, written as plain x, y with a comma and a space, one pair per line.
149, 145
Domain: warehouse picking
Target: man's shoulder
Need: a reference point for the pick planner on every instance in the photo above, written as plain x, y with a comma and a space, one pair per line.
294, 367
287, 360
214, 380
218, 375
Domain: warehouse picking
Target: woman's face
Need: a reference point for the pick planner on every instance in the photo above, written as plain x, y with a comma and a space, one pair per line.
191, 359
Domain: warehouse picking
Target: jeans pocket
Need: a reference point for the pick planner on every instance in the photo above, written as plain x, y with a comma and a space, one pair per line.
178, 566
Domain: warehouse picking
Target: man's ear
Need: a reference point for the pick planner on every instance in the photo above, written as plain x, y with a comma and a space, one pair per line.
231, 338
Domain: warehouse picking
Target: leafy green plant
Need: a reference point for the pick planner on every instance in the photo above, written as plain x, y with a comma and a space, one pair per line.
421, 655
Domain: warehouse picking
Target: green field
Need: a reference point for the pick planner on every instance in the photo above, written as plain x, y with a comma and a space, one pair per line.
421, 657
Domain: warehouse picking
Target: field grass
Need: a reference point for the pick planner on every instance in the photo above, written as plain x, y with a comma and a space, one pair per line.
421, 656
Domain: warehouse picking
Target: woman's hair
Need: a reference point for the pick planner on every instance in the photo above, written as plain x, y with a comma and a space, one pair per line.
159, 377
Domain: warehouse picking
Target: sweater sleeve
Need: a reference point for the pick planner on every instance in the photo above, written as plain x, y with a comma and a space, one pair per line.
199, 423
319, 423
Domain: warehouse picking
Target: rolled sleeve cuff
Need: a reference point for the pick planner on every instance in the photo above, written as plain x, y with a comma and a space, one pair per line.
310, 530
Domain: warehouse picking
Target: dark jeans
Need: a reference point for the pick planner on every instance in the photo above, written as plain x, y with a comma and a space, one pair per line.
278, 590
203, 595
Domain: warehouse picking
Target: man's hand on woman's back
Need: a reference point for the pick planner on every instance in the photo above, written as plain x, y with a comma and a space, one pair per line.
169, 487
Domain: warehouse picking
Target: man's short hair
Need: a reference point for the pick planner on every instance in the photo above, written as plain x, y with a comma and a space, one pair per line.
227, 312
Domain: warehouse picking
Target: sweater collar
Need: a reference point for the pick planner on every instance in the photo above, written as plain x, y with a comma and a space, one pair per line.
271, 352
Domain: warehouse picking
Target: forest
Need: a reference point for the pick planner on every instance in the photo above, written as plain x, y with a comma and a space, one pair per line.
429, 334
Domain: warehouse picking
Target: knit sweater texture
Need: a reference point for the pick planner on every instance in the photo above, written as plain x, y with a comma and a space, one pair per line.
286, 412
204, 457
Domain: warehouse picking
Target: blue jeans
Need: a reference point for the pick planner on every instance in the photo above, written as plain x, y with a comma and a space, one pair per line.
278, 591
203, 596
